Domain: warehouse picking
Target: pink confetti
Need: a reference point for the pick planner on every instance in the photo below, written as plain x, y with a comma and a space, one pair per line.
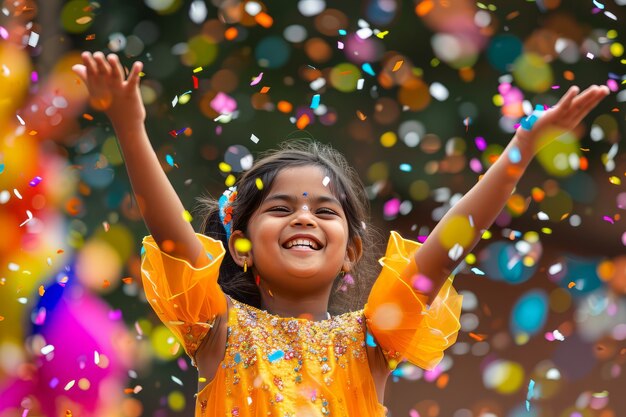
257, 79
613, 85
481, 143
391, 207
608, 219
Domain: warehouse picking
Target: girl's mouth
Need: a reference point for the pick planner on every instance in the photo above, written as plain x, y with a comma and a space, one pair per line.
302, 243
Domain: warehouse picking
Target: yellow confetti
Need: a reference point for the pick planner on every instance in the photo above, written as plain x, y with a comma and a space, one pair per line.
615, 180
202, 379
41, 290
198, 69
546, 230
382, 35
224, 167
397, 66
486, 235
230, 180
243, 245
187, 216
259, 183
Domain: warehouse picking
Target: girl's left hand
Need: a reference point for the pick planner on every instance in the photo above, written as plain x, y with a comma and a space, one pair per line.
562, 117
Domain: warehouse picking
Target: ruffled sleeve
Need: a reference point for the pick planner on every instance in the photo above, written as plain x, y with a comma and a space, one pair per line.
398, 317
186, 299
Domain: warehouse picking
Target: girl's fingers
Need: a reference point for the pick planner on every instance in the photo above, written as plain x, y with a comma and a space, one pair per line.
90, 64
133, 77
103, 66
592, 101
568, 97
116, 67
81, 71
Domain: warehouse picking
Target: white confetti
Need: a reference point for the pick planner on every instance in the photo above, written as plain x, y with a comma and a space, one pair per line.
47, 349
175, 101
178, 381
69, 385
4, 196
33, 39
253, 138
17, 193
20, 120
590, 55
30, 217
555, 269
455, 252
359, 83
477, 271
325, 181
339, 45
558, 336
96, 357
610, 15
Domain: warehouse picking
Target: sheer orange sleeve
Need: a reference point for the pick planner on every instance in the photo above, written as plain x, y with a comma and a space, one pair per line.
186, 299
398, 317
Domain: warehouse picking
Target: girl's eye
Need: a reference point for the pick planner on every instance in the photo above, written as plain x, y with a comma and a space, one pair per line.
279, 209
325, 210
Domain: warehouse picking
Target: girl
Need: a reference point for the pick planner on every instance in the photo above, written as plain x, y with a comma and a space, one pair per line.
254, 317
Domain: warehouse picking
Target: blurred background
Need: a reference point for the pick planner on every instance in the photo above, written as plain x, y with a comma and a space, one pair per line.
421, 96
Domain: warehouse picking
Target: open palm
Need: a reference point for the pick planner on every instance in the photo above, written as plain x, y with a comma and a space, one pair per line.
109, 90
563, 117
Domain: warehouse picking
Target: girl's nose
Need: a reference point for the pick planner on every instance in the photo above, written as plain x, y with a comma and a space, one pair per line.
303, 217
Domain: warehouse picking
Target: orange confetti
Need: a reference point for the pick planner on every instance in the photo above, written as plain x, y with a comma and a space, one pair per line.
231, 33
424, 7
568, 75
68, 413
90, 37
397, 66
442, 381
41, 290
265, 90
478, 337
584, 163
360, 115
127, 280
73, 206
512, 15
167, 246
303, 121
538, 194
84, 20
87, 116
264, 19
571, 284
284, 106
128, 390
60, 251
1, 318
106, 284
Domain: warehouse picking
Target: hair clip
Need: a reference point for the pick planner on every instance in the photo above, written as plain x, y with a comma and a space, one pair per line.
225, 204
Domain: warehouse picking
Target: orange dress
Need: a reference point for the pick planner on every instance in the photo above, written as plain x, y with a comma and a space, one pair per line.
282, 366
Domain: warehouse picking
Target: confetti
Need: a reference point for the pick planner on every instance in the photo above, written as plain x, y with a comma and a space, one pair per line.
253, 138
257, 79
303, 121
325, 181
397, 66
315, 101
243, 245
367, 67
177, 380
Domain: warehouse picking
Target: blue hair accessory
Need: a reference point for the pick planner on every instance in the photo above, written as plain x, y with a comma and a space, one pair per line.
225, 204
528, 122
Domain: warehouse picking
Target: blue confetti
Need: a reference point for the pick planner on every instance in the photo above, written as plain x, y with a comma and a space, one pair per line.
368, 69
369, 339
169, 159
279, 354
237, 357
515, 155
315, 101
406, 167
342, 32
477, 271
531, 393
1, 168
35, 181
529, 121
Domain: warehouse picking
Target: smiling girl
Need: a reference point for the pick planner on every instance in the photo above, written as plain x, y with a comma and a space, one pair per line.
254, 317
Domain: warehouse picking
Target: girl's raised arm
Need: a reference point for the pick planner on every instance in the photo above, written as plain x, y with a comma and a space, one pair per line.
119, 98
461, 228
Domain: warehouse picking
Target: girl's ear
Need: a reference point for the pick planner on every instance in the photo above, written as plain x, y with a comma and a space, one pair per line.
239, 257
353, 253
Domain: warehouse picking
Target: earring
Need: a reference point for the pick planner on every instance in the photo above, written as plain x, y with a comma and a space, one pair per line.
245, 265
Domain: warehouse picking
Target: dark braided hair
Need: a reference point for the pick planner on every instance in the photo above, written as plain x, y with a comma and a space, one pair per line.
345, 186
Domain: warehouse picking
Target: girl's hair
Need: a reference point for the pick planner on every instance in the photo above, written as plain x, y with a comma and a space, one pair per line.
346, 295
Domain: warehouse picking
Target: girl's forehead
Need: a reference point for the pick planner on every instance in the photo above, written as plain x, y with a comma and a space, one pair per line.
307, 180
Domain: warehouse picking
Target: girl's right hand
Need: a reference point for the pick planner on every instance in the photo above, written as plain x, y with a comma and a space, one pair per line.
109, 90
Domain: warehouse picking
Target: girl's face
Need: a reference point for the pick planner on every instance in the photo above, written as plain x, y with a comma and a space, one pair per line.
299, 234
